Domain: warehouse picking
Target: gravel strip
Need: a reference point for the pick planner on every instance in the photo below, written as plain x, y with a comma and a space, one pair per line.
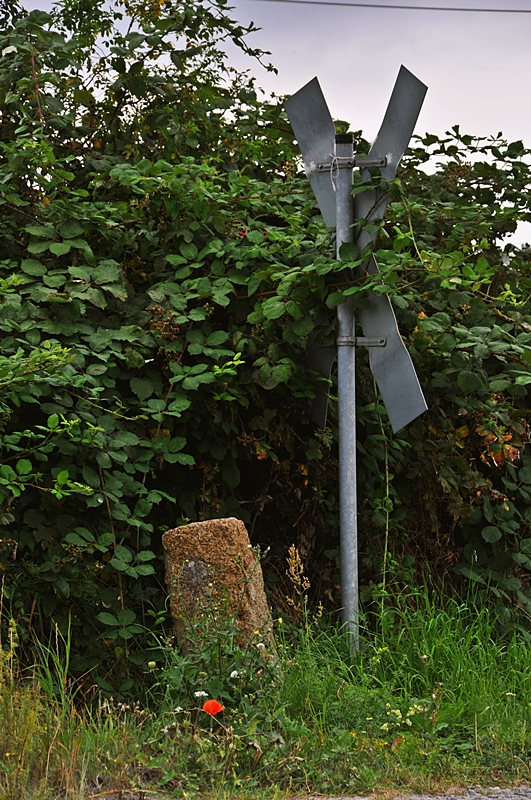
472, 792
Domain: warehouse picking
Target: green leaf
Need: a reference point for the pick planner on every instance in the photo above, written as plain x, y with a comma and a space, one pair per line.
60, 248
145, 555
32, 267
106, 272
281, 373
96, 297
446, 342
217, 338
499, 385
125, 439
175, 260
91, 477
86, 534
61, 588
63, 477
273, 308
23, 466
142, 387
303, 326
53, 422
133, 358
118, 564
123, 553
106, 539
256, 237
188, 250
181, 458
107, 619
42, 231
178, 405
348, 252
172, 458
145, 569
522, 560
104, 460
491, 533
194, 381
39, 247
468, 382
525, 546
176, 444
126, 616
75, 538
71, 228
96, 369
142, 508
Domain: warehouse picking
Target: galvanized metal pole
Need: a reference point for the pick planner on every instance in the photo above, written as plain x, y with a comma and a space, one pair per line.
346, 365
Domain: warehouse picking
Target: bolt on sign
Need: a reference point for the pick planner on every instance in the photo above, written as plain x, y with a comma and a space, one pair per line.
329, 161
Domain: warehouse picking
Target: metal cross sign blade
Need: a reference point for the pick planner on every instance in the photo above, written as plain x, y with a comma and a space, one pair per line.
391, 143
391, 365
320, 359
315, 132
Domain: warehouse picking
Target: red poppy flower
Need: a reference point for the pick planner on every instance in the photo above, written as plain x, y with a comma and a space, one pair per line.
212, 707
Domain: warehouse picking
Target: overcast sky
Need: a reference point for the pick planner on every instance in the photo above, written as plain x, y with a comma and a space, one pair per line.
477, 66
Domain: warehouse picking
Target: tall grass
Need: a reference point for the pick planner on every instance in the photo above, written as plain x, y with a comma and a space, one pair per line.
435, 697
435, 692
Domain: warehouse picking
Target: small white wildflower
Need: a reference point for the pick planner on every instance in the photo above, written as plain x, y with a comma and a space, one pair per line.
384, 727
234, 673
200, 694
424, 658
408, 722
261, 646
152, 664
166, 729
178, 710
510, 694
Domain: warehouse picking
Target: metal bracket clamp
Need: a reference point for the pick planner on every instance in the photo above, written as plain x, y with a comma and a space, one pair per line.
349, 163
363, 341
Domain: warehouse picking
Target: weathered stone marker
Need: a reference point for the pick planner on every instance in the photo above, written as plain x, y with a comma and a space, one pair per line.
211, 567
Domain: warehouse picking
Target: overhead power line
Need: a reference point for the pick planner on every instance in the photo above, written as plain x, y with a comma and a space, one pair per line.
402, 7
